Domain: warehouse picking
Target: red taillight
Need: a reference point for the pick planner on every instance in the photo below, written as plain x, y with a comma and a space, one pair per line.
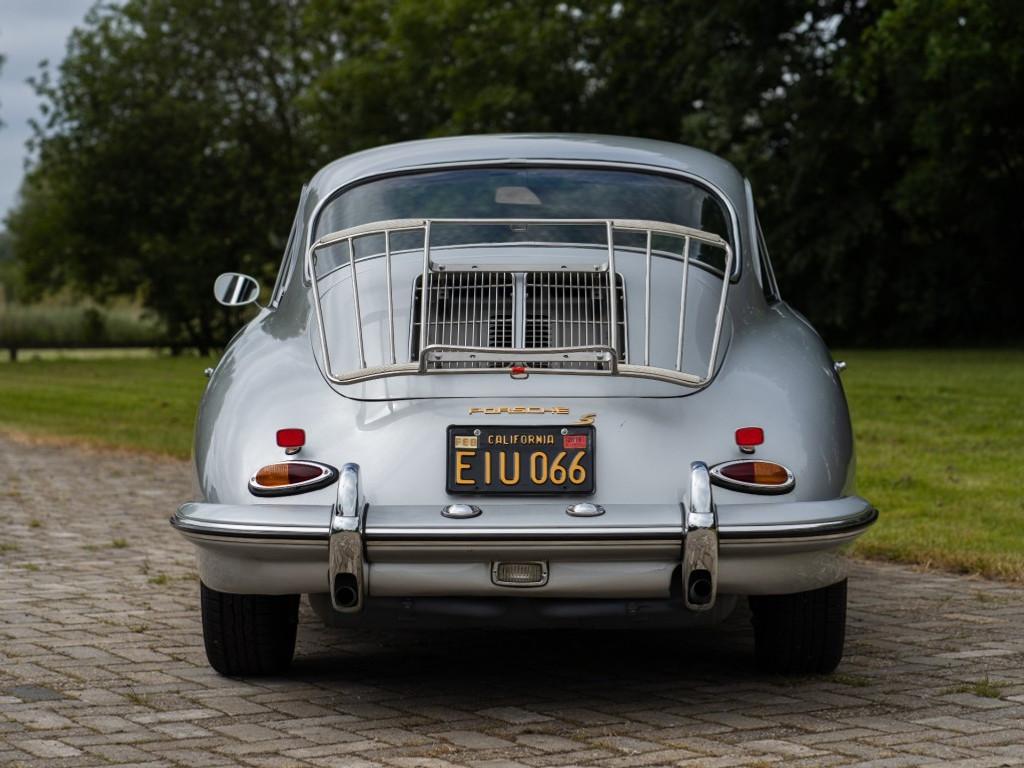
753, 476
748, 437
291, 438
287, 477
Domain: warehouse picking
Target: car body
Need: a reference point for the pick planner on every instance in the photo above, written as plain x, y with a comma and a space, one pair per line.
525, 441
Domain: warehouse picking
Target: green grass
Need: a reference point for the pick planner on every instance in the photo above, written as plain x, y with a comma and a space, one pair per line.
940, 447
984, 688
940, 439
147, 404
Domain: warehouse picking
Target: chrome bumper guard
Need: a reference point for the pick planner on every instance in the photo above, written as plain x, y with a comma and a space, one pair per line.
700, 542
346, 580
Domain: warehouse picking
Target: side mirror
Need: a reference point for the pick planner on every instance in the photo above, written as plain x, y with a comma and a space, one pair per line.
233, 289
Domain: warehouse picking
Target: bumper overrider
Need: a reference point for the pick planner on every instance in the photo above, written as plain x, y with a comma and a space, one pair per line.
356, 553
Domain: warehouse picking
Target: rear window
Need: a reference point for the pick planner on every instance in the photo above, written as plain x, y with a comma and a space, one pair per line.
530, 193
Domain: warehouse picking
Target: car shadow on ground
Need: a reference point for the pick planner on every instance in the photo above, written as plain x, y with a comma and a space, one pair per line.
474, 662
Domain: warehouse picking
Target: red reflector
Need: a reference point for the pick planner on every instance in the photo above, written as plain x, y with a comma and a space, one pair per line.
291, 438
574, 441
747, 437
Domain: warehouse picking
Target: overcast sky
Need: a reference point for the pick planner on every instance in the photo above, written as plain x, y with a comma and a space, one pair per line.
30, 30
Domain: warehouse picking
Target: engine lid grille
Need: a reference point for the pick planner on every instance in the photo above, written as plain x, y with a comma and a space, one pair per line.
529, 311
467, 308
570, 309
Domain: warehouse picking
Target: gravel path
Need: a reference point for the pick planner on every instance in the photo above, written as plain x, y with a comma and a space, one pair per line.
101, 663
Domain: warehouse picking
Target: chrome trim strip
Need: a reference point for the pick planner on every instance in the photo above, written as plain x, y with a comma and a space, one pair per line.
850, 524
249, 530
533, 534
733, 533
562, 544
318, 543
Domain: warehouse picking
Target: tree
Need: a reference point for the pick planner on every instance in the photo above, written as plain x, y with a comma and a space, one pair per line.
938, 82
876, 134
893, 204
8, 272
171, 150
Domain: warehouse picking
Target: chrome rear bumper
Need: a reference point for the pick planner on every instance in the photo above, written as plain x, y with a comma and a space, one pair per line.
694, 549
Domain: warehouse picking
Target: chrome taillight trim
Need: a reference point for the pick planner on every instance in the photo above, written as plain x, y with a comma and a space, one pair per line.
328, 475
739, 485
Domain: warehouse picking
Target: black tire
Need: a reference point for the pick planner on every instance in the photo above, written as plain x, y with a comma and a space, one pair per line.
801, 633
249, 634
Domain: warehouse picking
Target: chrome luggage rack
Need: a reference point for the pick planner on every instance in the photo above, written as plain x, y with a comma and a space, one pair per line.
603, 359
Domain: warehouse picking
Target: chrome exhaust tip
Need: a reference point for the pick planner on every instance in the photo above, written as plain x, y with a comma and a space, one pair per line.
346, 591
346, 578
700, 542
701, 589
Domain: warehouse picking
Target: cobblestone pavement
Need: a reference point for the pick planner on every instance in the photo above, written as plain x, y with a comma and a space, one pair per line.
102, 664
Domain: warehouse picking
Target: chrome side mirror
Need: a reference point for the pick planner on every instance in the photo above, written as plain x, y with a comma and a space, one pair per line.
233, 289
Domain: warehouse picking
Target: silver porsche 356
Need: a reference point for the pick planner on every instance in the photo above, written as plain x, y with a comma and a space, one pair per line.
526, 380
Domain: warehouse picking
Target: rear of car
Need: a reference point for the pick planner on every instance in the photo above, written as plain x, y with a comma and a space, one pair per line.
497, 390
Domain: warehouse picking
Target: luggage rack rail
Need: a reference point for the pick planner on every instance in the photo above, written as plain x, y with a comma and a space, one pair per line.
592, 359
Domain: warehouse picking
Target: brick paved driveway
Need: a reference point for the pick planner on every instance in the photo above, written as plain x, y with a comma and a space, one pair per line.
102, 664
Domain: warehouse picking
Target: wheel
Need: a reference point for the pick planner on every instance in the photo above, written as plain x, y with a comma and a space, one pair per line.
249, 634
801, 633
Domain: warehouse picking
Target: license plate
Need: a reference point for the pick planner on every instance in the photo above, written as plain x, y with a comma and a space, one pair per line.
520, 460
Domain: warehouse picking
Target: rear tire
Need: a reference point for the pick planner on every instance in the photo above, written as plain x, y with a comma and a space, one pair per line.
803, 633
249, 634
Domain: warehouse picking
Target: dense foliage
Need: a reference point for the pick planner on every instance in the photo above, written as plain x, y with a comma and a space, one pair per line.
879, 135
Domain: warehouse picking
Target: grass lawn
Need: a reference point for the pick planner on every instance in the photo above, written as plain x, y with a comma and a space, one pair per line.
940, 450
940, 439
119, 402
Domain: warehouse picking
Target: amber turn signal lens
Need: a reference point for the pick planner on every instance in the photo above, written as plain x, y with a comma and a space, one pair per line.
287, 473
755, 476
291, 477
